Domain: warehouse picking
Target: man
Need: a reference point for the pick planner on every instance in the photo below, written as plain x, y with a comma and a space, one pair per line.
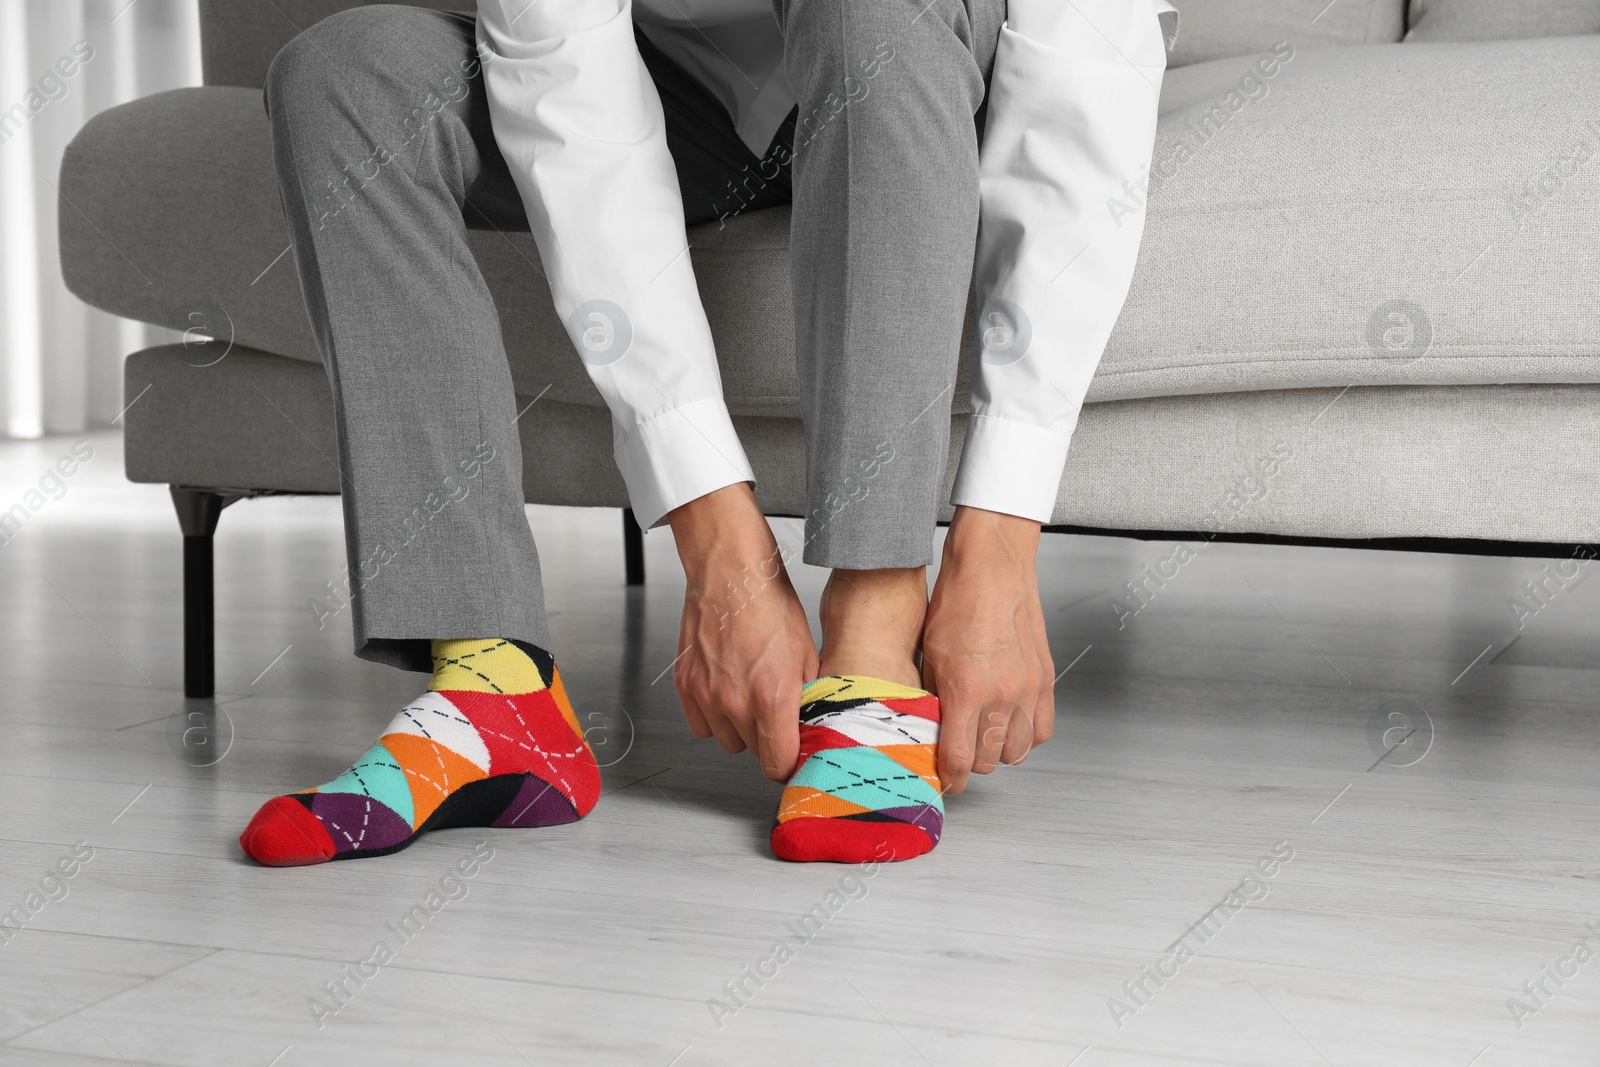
604, 138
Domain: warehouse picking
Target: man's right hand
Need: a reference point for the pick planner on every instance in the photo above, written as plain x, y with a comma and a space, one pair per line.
745, 649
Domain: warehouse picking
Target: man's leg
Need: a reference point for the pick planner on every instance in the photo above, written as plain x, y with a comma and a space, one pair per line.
380, 133
383, 142
885, 225
886, 220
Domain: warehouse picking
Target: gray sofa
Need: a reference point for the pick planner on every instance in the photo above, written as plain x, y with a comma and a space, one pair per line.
1364, 310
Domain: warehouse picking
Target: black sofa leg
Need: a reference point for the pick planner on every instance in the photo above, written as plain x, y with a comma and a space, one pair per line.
632, 548
198, 512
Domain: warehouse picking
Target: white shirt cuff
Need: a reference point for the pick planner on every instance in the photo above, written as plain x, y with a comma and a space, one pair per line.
678, 456
1011, 467
1168, 16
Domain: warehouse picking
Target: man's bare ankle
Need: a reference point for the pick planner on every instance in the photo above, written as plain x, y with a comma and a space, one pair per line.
872, 623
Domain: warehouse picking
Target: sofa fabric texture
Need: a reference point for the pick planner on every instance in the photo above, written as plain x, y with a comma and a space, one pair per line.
1364, 306
1386, 461
1364, 215
1480, 20
1214, 29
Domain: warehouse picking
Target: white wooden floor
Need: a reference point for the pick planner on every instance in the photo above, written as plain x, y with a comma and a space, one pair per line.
1230, 718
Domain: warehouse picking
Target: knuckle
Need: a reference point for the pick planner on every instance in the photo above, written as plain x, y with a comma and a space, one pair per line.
1007, 690
967, 688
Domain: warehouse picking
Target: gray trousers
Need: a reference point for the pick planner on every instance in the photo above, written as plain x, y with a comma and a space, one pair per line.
885, 227
385, 158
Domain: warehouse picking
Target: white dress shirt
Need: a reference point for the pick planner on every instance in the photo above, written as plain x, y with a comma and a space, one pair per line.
1072, 112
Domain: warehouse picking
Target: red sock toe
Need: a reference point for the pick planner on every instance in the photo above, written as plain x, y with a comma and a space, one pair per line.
867, 786
848, 841
284, 833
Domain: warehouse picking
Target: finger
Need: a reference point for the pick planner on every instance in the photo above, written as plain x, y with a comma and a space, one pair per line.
955, 760
1044, 709
1020, 733
956, 728
990, 727
778, 729
745, 726
1023, 728
693, 713
1044, 717
695, 717
725, 731
742, 718
956, 724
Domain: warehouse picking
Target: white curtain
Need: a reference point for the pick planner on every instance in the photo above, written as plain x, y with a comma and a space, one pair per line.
61, 62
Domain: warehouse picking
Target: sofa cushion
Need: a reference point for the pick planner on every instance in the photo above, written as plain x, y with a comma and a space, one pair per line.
1215, 29
1378, 214
170, 215
1479, 20
1391, 461
1367, 215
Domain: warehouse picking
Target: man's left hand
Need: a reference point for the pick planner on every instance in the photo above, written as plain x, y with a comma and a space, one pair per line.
984, 651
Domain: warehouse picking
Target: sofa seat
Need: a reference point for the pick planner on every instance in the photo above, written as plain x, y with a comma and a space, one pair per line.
1425, 461
1276, 247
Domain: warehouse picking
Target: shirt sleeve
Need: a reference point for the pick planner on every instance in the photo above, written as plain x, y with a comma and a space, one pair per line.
576, 116
1066, 150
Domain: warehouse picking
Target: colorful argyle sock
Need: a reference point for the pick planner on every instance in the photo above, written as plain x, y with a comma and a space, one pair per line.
867, 786
493, 742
